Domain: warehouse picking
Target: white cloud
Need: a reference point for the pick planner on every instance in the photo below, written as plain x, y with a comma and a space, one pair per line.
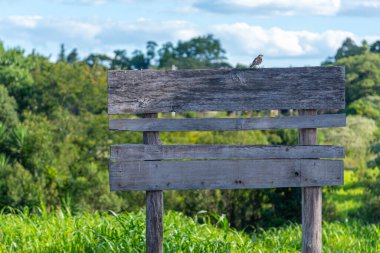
40, 30
276, 42
96, 2
292, 7
142, 30
186, 9
85, 2
152, 26
77, 29
46, 34
241, 40
23, 21
102, 31
360, 8
271, 7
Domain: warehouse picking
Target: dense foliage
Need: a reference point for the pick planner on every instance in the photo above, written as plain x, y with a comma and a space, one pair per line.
54, 137
362, 136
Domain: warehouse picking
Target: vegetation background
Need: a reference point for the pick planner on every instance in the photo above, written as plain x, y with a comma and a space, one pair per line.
54, 146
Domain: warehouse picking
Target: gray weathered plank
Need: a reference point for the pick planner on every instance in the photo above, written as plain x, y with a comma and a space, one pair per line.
229, 124
228, 174
133, 152
311, 198
149, 91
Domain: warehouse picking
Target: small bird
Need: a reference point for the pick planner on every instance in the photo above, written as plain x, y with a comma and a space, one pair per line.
257, 61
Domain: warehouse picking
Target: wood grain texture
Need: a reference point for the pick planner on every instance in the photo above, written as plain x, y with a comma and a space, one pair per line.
154, 203
134, 152
311, 199
229, 124
154, 221
312, 220
149, 91
224, 174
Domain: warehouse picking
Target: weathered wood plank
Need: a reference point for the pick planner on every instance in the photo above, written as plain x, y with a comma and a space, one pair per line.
229, 124
133, 152
154, 203
228, 174
311, 198
149, 91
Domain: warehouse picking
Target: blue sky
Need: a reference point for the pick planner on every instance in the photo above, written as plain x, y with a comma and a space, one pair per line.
286, 32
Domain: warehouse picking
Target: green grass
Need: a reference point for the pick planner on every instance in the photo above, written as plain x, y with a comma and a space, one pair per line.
103, 232
60, 231
350, 197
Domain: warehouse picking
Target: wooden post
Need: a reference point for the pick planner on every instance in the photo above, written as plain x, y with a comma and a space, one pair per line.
311, 199
154, 202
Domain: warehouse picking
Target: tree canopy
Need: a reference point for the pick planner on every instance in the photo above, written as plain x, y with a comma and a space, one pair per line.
54, 137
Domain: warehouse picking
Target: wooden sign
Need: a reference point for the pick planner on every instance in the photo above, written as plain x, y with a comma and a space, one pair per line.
154, 167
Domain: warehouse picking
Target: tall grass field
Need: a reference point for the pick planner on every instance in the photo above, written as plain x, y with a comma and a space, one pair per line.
59, 231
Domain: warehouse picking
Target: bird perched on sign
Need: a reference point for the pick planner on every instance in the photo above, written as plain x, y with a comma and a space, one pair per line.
257, 61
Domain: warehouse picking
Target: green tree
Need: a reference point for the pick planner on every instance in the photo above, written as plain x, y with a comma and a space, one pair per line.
139, 61
356, 137
199, 52
98, 59
368, 106
362, 75
349, 48
151, 51
120, 60
8, 105
62, 54
20, 189
57, 147
73, 56
76, 87
375, 47
15, 76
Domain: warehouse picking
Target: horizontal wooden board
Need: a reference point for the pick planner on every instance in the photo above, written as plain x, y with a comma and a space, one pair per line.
134, 152
229, 124
229, 174
150, 91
